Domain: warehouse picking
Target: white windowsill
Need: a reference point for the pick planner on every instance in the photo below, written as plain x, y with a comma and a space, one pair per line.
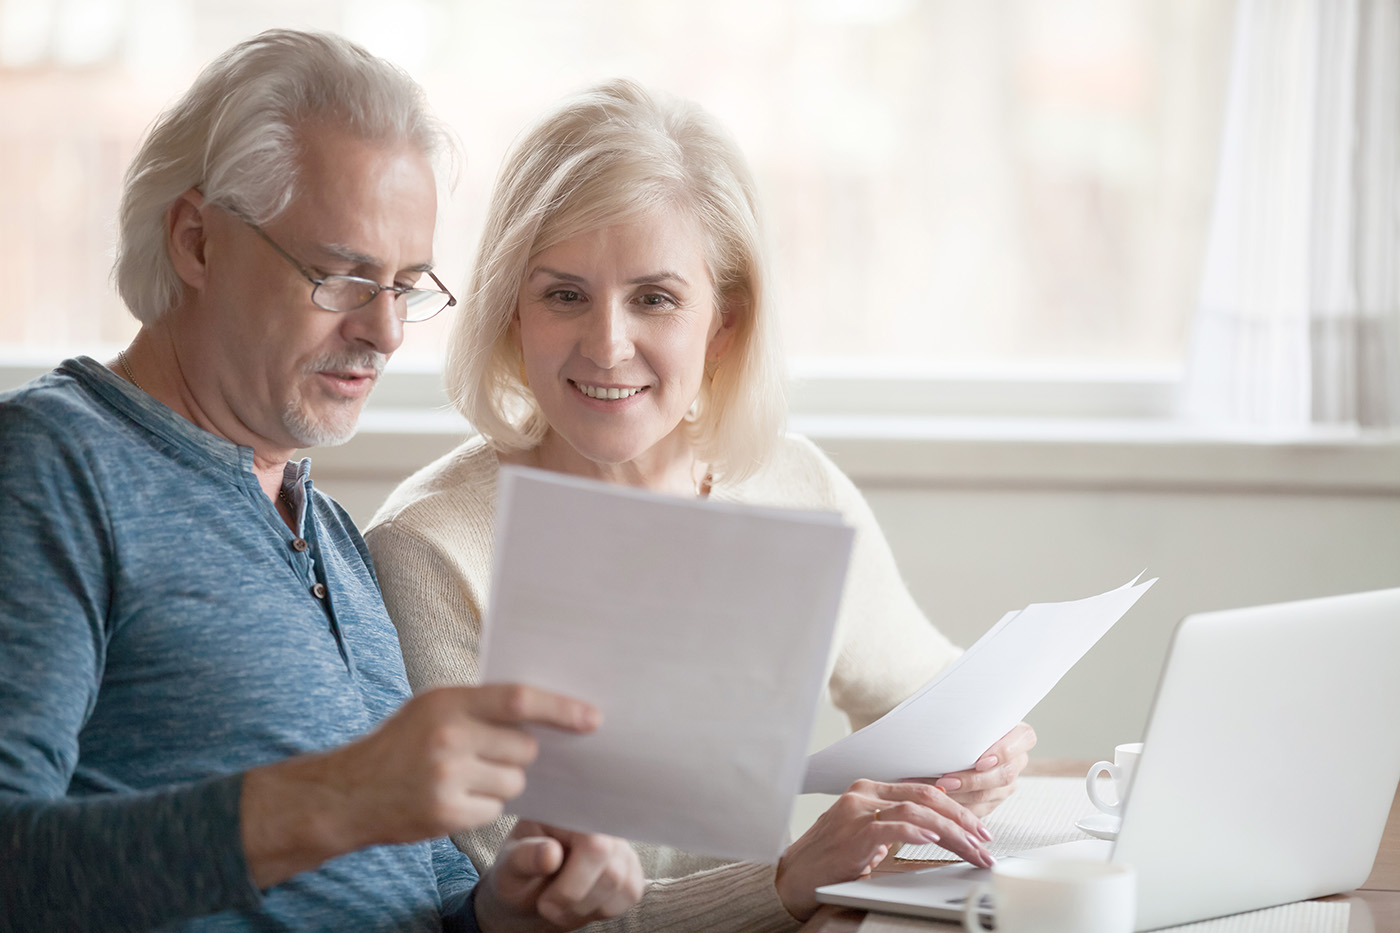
987, 453
1104, 431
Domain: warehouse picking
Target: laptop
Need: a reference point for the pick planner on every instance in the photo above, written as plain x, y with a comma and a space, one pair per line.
1269, 766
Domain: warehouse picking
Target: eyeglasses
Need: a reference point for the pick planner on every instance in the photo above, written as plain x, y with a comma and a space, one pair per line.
350, 292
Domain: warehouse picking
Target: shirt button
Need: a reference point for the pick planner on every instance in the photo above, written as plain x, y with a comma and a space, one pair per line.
319, 591
299, 544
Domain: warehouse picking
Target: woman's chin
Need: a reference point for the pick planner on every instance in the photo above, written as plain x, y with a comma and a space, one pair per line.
585, 449
643, 456
578, 454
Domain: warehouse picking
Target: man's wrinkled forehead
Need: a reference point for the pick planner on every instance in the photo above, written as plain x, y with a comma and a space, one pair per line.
356, 195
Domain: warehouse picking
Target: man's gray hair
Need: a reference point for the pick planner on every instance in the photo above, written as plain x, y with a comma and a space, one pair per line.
234, 136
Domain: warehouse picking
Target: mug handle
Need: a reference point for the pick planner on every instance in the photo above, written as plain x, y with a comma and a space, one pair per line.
1091, 786
972, 911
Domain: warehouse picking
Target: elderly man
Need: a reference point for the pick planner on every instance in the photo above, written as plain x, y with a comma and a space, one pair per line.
204, 719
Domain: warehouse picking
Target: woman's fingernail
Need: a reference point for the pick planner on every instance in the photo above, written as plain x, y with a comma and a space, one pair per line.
947, 784
987, 763
930, 836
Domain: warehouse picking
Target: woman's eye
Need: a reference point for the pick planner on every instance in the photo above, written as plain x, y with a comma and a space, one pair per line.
563, 295
656, 300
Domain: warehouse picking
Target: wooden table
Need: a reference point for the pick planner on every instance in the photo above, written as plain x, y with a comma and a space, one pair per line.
1376, 904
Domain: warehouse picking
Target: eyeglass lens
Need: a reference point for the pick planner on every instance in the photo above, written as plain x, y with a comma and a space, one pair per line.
348, 293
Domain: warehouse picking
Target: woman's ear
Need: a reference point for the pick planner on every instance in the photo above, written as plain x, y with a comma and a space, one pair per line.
723, 336
513, 334
185, 237
513, 329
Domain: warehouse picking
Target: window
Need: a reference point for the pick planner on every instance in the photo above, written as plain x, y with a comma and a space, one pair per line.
985, 186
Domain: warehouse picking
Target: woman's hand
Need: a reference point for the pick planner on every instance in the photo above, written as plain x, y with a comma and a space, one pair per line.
850, 839
983, 787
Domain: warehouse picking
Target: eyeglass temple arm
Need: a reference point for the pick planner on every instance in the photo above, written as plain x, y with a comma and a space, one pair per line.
451, 300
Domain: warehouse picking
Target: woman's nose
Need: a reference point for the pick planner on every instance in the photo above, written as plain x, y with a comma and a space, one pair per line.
606, 341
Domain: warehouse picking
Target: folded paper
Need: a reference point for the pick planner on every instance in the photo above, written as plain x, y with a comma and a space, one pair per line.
947, 724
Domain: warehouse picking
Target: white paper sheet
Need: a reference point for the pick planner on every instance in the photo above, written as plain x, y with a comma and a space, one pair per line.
700, 629
949, 722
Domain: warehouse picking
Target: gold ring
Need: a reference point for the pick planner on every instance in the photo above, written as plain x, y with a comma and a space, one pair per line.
877, 814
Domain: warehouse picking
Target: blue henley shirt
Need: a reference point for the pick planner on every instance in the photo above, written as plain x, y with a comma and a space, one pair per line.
162, 631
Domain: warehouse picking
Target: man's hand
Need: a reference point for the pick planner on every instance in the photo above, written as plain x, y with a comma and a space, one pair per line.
564, 878
446, 761
988, 783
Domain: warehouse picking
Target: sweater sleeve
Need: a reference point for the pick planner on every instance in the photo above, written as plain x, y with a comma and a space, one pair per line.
112, 861
436, 601
737, 896
437, 608
886, 648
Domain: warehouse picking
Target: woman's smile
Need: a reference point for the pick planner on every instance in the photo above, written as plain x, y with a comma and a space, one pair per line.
608, 393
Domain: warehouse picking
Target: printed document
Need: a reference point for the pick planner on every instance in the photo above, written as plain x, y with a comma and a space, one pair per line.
700, 629
949, 722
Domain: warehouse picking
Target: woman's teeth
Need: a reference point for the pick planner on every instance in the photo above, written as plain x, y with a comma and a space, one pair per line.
609, 394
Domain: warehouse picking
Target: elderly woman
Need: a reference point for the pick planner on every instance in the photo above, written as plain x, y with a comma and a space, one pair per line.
618, 327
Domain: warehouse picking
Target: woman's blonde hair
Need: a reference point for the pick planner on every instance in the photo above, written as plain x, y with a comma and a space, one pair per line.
611, 155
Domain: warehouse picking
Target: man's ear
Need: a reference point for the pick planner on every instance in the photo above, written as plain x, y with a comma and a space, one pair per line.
185, 237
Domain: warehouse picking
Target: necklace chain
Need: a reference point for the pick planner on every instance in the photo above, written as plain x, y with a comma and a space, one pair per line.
126, 368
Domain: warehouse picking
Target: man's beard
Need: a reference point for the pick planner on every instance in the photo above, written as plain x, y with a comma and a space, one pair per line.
337, 427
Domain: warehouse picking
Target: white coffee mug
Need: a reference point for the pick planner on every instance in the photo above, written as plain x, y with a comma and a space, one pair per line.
1056, 896
1120, 769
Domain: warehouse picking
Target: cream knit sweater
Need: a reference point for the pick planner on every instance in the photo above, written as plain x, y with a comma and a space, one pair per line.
432, 547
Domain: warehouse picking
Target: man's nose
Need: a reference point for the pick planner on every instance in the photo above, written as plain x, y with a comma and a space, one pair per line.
378, 324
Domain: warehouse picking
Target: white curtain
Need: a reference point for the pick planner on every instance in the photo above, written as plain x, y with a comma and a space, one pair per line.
1299, 320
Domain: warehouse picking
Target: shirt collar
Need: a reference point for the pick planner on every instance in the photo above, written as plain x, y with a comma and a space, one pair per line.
157, 417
